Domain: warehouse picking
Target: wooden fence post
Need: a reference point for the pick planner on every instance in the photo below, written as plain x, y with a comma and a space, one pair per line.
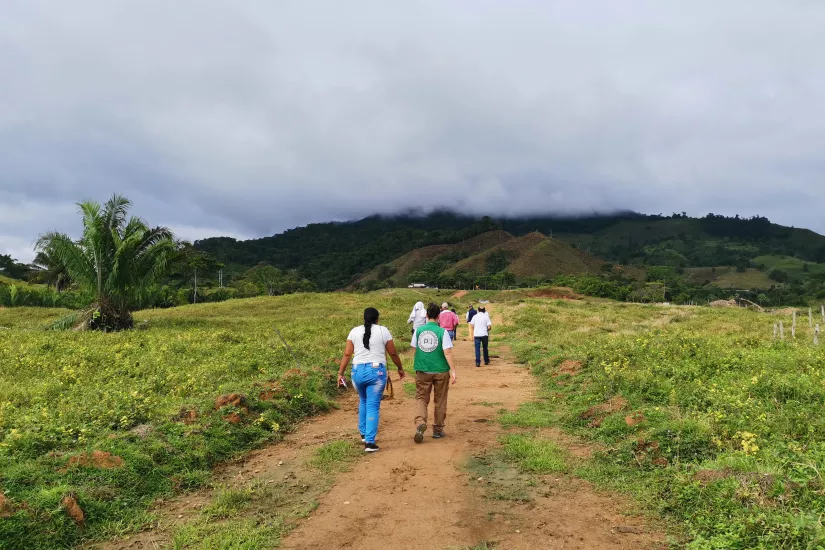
775, 330
793, 325
816, 335
810, 318
781, 331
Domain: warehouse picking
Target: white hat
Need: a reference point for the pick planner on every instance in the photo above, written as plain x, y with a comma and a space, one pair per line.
444, 305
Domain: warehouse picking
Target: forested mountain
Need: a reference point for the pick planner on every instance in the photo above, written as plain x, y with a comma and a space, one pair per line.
335, 255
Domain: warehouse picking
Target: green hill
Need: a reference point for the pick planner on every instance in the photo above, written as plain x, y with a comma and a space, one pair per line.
337, 255
400, 269
532, 256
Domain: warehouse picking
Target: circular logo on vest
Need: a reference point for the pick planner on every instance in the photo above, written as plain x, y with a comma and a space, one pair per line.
427, 341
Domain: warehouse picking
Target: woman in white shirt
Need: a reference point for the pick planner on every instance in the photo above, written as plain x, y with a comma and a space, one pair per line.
369, 343
418, 317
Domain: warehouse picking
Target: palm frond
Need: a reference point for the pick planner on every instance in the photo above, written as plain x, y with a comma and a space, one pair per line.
78, 265
68, 321
115, 211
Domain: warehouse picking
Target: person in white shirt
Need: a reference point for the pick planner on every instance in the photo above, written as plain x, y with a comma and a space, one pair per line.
481, 326
369, 344
418, 317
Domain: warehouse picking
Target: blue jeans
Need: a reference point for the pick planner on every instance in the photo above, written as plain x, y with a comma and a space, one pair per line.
479, 342
369, 382
452, 335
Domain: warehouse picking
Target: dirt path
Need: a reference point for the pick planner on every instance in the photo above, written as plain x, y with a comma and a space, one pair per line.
422, 497
410, 496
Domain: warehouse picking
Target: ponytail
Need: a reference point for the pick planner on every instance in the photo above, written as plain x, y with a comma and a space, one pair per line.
370, 318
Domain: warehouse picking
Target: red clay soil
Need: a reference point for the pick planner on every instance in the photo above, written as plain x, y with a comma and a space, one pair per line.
73, 509
232, 400
597, 413
568, 367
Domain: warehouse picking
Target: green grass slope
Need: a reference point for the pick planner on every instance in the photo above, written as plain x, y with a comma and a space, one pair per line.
533, 255
551, 257
697, 412
410, 262
148, 396
511, 249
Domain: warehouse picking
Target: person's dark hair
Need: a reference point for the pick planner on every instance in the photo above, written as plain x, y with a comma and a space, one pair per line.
433, 311
370, 318
482, 309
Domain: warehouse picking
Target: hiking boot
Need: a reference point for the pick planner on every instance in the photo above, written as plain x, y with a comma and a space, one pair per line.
370, 448
438, 435
478, 365
419, 433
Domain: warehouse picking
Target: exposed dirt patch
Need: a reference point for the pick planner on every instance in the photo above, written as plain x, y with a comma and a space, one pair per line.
187, 416
459, 294
597, 413
73, 510
96, 459
232, 400
568, 367
233, 418
7, 507
635, 419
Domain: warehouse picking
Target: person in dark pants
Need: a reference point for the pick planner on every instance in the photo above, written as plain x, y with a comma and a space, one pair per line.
481, 326
434, 372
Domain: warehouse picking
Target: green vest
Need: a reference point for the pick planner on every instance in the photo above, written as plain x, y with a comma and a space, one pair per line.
429, 353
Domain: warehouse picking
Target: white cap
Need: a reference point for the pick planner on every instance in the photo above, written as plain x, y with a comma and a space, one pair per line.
444, 305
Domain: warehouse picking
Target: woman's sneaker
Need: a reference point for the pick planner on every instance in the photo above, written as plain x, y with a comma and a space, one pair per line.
438, 435
419, 433
363, 439
370, 448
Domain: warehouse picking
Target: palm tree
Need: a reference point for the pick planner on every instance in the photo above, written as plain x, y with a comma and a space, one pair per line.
47, 270
115, 261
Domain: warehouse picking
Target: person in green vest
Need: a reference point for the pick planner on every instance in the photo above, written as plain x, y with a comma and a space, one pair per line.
434, 372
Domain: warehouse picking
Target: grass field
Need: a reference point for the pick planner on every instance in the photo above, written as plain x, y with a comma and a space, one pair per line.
699, 415
728, 277
696, 412
148, 397
788, 264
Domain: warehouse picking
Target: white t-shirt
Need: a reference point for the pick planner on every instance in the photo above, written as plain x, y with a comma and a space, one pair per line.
480, 323
379, 336
446, 342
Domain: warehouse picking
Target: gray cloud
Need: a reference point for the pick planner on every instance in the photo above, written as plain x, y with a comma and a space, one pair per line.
252, 117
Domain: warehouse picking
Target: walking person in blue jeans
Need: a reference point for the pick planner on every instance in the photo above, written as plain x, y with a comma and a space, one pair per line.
480, 324
368, 346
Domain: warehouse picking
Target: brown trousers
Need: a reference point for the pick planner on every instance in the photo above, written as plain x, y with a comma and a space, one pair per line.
439, 384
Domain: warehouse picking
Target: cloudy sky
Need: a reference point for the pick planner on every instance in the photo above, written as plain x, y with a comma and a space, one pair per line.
246, 118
